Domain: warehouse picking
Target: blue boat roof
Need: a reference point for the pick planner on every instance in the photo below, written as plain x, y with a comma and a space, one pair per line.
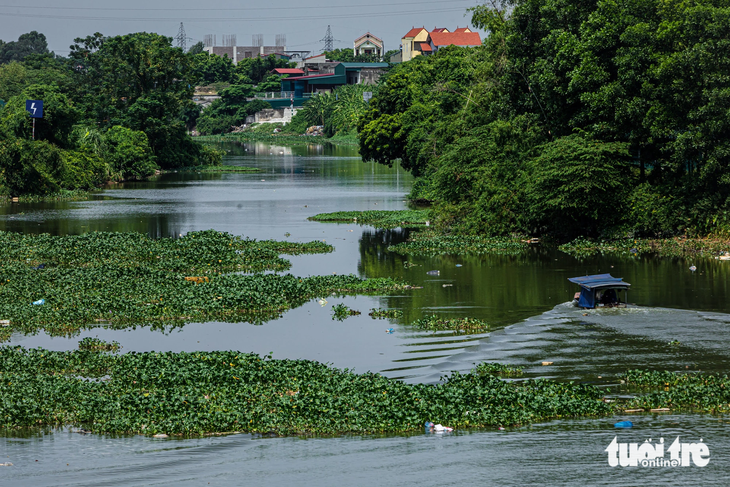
599, 280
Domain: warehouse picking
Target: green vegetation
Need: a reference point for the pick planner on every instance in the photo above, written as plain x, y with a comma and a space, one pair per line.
114, 110
348, 56
670, 247
689, 392
467, 325
98, 345
211, 392
340, 312
376, 313
338, 112
380, 219
207, 392
125, 279
501, 370
229, 111
218, 169
590, 119
434, 243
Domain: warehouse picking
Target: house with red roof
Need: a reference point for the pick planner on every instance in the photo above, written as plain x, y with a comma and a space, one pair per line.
288, 72
463, 39
410, 43
419, 41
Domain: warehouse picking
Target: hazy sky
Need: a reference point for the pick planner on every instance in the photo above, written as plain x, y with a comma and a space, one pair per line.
304, 23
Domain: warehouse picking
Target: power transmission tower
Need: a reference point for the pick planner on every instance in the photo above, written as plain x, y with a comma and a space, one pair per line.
182, 38
329, 40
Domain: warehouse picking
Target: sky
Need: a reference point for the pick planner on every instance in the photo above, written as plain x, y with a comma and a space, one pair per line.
303, 23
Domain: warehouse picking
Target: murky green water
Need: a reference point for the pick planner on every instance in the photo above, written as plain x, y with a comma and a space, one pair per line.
523, 297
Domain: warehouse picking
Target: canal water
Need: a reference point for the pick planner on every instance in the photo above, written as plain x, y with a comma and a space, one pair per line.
524, 299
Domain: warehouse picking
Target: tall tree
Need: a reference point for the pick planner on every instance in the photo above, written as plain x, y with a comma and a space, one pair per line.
31, 43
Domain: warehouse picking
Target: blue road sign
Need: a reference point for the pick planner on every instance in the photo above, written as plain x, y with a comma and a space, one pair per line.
35, 108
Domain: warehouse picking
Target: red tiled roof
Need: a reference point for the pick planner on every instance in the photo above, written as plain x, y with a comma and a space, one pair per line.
462, 30
310, 76
456, 39
414, 32
287, 71
440, 29
425, 47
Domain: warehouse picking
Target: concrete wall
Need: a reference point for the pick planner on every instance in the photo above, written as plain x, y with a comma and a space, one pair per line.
370, 76
273, 115
236, 53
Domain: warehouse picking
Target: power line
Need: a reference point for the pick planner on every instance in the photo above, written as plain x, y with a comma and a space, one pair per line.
247, 9
368, 14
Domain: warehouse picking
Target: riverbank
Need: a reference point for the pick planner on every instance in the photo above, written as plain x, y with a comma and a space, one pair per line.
279, 139
428, 241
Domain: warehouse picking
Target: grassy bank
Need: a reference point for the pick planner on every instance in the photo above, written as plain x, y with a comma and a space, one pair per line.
62, 195
124, 279
669, 247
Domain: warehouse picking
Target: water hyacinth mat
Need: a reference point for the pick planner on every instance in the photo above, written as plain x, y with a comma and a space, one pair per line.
197, 393
124, 279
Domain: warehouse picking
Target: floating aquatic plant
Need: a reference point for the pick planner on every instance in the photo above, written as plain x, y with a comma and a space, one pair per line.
341, 312
98, 345
433, 243
502, 370
434, 323
377, 218
670, 247
385, 313
208, 392
124, 279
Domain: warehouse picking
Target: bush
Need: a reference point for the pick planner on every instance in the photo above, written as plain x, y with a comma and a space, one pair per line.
59, 116
577, 186
128, 153
30, 167
83, 170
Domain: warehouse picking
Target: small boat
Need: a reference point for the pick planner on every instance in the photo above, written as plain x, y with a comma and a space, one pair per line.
600, 290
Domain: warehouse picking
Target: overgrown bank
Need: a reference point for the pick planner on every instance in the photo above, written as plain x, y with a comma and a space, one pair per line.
594, 119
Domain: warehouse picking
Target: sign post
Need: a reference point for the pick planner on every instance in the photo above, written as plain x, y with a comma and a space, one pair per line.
35, 109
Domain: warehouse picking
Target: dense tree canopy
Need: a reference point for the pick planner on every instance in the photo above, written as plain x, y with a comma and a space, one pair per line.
27, 44
615, 113
113, 110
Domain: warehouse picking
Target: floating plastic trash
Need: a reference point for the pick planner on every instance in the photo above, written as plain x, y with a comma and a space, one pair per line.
634, 251
458, 265
39, 302
41, 266
433, 273
624, 424
322, 302
390, 331
692, 268
437, 428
